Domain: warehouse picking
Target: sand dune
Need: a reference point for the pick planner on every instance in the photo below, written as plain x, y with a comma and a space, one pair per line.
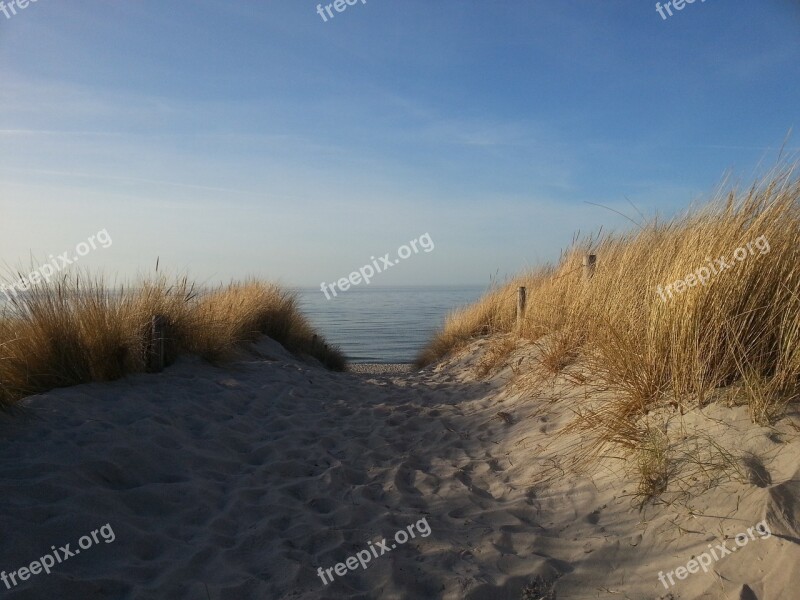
241, 482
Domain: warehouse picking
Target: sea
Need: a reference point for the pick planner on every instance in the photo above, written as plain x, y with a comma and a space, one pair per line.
383, 324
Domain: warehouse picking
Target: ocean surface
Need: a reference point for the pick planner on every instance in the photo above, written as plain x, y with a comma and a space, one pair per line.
383, 324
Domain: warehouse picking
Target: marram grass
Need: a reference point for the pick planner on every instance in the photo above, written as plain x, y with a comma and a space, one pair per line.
740, 325
77, 330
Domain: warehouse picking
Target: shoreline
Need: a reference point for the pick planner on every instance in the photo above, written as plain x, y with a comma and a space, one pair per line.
380, 368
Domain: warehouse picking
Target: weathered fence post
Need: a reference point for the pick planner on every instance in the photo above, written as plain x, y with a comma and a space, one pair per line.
589, 263
521, 300
313, 343
155, 346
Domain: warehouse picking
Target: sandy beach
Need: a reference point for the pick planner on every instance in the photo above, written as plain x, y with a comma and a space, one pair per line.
242, 482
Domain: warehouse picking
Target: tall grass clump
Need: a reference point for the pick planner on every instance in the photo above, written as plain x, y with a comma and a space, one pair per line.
742, 326
494, 313
78, 329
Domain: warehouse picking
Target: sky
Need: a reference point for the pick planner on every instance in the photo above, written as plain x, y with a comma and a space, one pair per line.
255, 138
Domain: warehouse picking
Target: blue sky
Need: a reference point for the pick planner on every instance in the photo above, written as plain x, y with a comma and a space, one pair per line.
253, 138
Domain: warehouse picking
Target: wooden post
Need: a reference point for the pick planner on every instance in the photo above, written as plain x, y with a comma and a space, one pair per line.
521, 300
589, 263
155, 347
313, 343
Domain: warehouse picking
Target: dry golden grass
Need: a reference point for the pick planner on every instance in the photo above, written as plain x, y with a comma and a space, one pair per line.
559, 350
653, 463
742, 326
494, 313
77, 330
499, 348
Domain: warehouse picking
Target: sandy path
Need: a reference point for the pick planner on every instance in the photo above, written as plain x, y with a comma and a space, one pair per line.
241, 482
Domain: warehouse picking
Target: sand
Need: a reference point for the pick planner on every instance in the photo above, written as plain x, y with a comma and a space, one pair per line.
241, 482
380, 368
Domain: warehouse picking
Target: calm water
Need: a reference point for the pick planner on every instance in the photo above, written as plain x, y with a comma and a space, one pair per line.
383, 324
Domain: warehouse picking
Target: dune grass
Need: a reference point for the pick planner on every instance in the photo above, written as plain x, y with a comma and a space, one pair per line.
78, 329
658, 348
